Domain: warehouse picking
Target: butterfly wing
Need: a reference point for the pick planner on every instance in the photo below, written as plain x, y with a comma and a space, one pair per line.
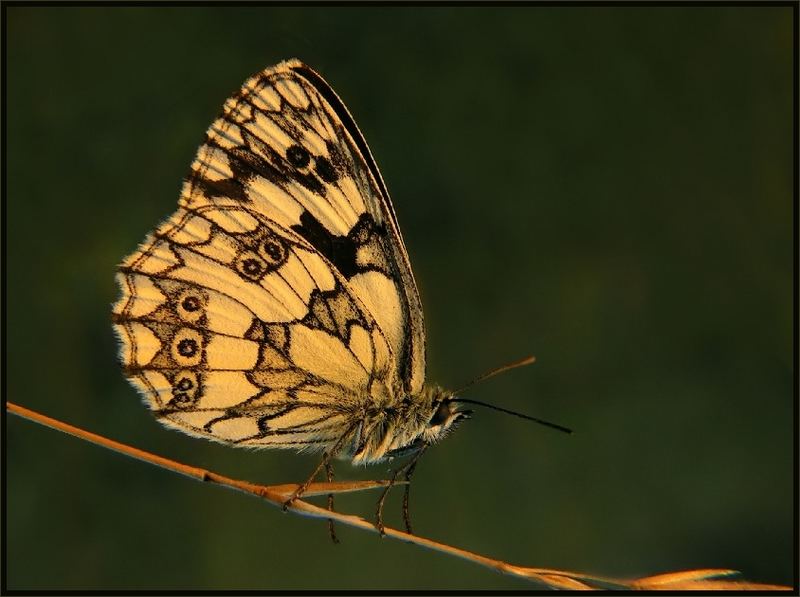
279, 298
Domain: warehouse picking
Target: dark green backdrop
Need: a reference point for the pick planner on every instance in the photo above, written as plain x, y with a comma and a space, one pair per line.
607, 188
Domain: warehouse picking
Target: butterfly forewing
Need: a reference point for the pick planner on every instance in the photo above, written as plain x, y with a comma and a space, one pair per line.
278, 301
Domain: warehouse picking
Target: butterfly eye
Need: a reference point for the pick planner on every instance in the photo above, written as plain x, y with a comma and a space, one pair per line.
298, 156
441, 415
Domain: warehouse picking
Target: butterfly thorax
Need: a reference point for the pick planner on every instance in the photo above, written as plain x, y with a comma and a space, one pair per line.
401, 427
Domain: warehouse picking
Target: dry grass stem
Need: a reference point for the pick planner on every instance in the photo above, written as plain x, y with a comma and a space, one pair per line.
276, 495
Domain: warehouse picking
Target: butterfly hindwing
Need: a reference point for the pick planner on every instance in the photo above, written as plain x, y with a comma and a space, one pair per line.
278, 300
256, 320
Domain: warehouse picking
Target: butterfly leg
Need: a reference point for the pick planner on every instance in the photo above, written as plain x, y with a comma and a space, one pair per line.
379, 509
326, 458
331, 529
406, 495
407, 470
302, 488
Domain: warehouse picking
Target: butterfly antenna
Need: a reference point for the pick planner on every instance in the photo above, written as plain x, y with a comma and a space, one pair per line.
529, 360
516, 414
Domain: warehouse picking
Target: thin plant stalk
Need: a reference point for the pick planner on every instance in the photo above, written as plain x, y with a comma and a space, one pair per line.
276, 495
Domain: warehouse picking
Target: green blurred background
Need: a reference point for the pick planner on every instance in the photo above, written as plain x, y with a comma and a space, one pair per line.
607, 188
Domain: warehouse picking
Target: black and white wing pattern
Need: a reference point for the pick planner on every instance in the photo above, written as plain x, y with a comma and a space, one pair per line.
277, 304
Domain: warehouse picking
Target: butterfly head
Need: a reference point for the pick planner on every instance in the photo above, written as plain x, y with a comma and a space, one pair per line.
444, 417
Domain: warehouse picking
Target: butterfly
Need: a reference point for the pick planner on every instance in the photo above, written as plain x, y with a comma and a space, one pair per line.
276, 307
